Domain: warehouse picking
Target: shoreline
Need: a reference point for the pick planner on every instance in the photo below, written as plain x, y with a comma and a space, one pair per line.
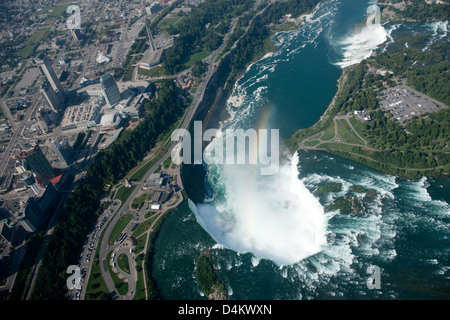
297, 142
226, 92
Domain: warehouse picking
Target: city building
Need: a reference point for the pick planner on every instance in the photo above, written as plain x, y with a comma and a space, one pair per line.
101, 58
151, 58
154, 181
110, 121
155, 206
29, 180
51, 88
35, 161
155, 7
6, 231
54, 100
63, 151
76, 34
110, 90
36, 209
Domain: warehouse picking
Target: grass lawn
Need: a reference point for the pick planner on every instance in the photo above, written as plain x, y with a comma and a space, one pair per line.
140, 285
140, 244
128, 76
329, 133
358, 126
123, 193
144, 226
347, 133
31, 44
56, 11
197, 56
138, 202
167, 162
158, 71
312, 143
139, 174
169, 20
122, 262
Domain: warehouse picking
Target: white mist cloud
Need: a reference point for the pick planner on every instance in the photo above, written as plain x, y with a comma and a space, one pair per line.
273, 217
360, 45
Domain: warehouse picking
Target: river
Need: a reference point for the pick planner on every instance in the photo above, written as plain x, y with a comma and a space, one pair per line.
271, 237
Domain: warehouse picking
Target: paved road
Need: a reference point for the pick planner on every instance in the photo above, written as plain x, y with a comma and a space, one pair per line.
16, 136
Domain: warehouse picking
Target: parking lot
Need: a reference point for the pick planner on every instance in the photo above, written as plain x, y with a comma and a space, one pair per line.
404, 103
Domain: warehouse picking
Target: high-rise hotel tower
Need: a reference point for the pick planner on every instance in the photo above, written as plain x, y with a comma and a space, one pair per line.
51, 88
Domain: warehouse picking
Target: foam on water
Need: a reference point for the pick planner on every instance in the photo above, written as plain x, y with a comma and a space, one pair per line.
439, 28
244, 101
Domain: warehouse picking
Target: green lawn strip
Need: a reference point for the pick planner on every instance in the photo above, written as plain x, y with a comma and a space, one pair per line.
155, 72
140, 173
152, 290
128, 76
118, 227
57, 10
349, 128
169, 20
123, 263
167, 162
329, 132
142, 169
149, 214
196, 57
140, 285
358, 126
345, 132
140, 244
138, 202
123, 193
344, 147
311, 143
142, 227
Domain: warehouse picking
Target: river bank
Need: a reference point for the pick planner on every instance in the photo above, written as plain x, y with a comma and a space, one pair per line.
328, 135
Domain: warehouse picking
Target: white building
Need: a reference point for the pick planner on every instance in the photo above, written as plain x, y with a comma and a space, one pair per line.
102, 58
363, 115
110, 121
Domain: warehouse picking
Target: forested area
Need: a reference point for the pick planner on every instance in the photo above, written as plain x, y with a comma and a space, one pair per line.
113, 163
204, 27
422, 147
206, 277
421, 11
293, 7
252, 45
83, 205
426, 70
197, 31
